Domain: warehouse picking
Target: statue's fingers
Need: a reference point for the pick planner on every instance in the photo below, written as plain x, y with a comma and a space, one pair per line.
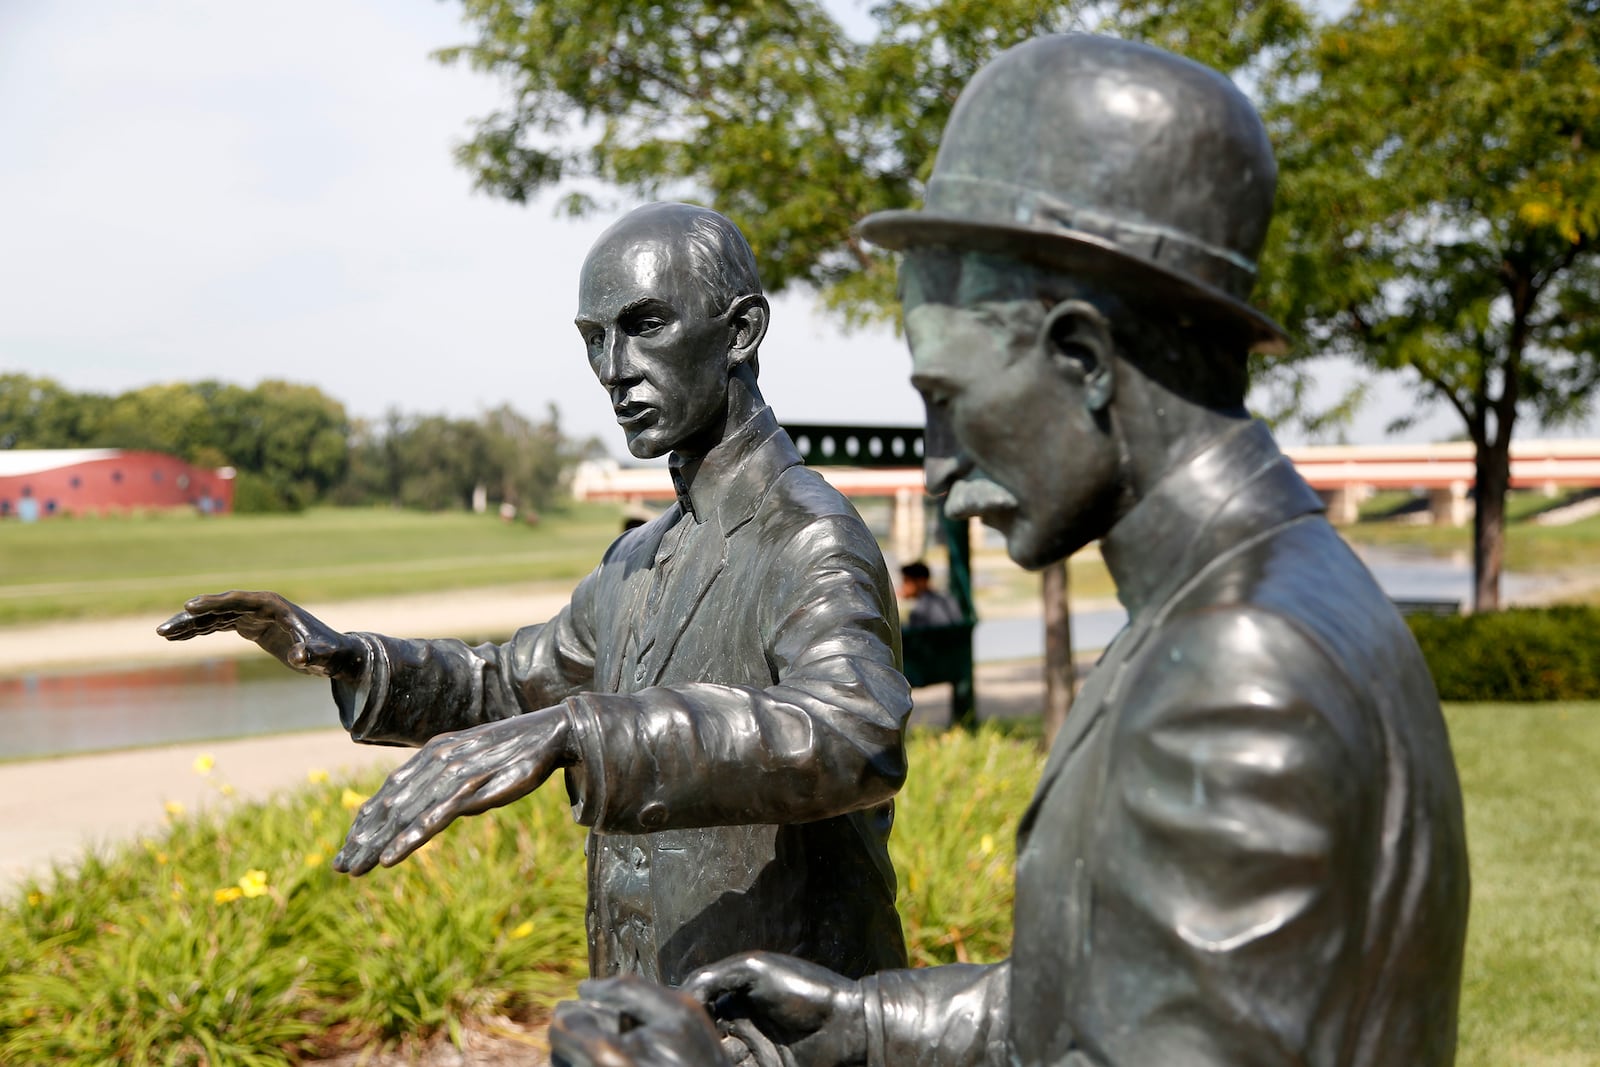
178, 628
187, 624
234, 600
408, 841
373, 828
735, 975
509, 784
583, 1036
640, 999
409, 832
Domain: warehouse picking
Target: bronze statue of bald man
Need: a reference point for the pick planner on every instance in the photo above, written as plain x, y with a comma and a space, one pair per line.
722, 692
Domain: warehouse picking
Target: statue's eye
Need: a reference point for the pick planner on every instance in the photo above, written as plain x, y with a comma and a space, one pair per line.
649, 325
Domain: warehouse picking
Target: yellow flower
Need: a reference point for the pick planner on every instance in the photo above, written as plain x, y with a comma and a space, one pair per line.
225, 895
316, 816
523, 929
316, 776
174, 809
351, 799
203, 764
161, 858
253, 884
314, 859
226, 789
35, 899
986, 845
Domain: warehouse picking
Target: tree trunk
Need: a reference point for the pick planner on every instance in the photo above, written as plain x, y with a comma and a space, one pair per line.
1059, 675
1493, 468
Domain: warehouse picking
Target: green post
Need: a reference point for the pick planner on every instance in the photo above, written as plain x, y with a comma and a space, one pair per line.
963, 692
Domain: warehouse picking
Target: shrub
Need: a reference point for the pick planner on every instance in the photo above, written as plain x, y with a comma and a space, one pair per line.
1523, 654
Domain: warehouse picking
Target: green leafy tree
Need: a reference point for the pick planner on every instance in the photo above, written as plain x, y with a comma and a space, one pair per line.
528, 462
1439, 206
770, 112
40, 413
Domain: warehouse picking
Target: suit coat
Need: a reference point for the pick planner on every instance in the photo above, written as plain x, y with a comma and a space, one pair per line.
1246, 847
731, 673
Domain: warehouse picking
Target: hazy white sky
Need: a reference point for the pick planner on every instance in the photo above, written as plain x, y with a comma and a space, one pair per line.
193, 189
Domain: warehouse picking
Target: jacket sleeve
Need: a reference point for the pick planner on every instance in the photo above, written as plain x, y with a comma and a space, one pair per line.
952, 1016
826, 738
415, 689
1233, 853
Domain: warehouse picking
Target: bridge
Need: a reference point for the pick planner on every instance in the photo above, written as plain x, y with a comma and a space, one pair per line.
1344, 475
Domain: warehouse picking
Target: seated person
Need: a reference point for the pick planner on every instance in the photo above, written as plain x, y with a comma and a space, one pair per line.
929, 607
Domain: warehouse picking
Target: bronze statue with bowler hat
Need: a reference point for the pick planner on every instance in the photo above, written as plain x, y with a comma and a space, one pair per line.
1247, 846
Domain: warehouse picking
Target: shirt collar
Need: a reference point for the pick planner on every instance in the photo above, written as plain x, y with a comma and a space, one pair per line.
1199, 510
730, 479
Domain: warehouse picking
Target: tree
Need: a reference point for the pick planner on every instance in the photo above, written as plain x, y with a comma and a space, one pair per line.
1439, 206
771, 113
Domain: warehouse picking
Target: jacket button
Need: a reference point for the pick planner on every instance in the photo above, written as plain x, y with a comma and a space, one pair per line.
653, 815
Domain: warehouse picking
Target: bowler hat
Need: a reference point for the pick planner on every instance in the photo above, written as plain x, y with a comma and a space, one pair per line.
1107, 159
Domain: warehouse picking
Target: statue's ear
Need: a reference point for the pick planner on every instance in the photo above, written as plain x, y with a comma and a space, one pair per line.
1078, 338
748, 319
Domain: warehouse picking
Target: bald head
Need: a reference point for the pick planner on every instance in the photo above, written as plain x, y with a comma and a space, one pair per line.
713, 250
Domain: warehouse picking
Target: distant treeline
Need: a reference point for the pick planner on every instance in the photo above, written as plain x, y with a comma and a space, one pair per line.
294, 445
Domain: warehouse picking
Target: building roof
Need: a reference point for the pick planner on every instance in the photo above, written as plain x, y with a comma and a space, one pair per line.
15, 462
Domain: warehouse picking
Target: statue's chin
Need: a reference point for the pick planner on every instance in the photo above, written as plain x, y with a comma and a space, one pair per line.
642, 447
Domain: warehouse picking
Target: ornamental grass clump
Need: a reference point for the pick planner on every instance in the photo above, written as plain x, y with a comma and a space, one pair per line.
227, 938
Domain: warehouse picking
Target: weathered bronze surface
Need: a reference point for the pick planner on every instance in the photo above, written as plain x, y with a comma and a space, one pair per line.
1247, 844
722, 692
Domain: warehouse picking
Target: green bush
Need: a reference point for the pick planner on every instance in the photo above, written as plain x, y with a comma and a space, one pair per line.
1523, 654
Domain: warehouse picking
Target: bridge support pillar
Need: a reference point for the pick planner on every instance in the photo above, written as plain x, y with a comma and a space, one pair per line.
1450, 506
908, 526
1344, 503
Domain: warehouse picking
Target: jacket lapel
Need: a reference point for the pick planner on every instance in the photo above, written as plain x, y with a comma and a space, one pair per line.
702, 556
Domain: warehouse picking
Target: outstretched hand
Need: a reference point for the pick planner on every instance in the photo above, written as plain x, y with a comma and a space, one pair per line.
631, 1022
461, 773
296, 637
816, 1016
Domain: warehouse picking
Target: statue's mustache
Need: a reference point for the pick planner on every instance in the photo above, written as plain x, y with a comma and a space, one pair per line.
976, 494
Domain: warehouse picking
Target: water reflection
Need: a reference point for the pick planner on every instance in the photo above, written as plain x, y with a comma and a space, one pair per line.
59, 713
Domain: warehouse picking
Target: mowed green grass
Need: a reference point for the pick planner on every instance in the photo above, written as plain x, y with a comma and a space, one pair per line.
1531, 777
74, 568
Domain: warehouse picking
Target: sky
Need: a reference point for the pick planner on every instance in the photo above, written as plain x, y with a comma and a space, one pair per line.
193, 190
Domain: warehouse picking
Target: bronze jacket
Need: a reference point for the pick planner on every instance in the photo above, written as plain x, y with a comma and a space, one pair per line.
1246, 848
731, 670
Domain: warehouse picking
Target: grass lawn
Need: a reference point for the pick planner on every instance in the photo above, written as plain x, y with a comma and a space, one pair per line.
1532, 990
227, 939
66, 568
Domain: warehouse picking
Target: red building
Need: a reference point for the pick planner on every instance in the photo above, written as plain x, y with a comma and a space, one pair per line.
37, 483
